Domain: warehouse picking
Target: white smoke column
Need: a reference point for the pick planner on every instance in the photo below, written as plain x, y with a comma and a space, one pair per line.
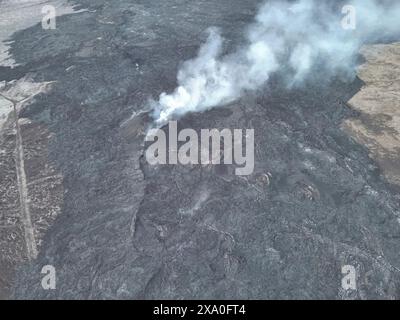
285, 36
210, 80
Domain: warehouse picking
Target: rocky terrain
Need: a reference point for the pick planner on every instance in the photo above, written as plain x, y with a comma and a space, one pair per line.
115, 227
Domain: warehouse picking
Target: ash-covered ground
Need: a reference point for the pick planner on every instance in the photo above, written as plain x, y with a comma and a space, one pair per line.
120, 228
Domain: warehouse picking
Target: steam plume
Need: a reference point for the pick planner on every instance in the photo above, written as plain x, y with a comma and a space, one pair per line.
285, 37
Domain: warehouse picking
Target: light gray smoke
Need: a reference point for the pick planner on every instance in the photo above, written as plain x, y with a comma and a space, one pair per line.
284, 36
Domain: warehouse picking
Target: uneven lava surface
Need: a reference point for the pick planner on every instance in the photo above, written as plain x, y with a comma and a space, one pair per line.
130, 230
